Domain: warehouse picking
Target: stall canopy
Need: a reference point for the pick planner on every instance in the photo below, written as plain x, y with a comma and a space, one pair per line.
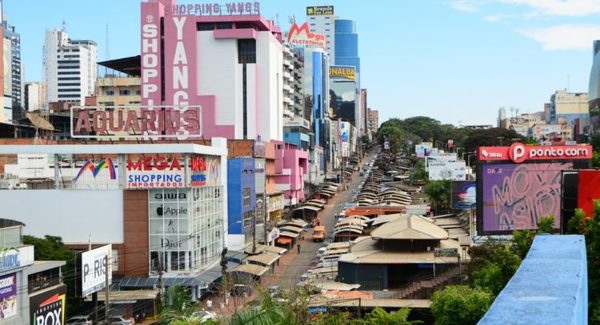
265, 259
251, 269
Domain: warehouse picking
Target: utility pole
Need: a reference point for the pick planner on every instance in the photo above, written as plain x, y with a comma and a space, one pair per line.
106, 289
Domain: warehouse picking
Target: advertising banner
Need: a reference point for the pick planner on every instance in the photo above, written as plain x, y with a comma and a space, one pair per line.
301, 35
8, 296
150, 53
205, 171
342, 72
463, 195
94, 265
444, 158
48, 307
319, 11
442, 170
96, 174
519, 153
588, 190
345, 138
155, 172
423, 149
516, 197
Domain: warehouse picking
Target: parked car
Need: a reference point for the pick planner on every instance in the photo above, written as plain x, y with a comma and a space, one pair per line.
120, 320
80, 320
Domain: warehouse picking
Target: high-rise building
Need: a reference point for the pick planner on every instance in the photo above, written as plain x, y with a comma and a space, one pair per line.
288, 82
373, 119
69, 67
346, 44
321, 20
594, 88
569, 106
16, 69
34, 97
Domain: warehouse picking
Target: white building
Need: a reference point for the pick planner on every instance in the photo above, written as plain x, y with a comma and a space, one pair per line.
69, 67
321, 20
288, 82
34, 96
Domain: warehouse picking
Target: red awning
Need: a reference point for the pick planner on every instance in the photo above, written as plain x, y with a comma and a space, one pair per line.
284, 240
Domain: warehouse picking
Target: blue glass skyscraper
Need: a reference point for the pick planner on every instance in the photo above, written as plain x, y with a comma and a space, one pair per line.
346, 44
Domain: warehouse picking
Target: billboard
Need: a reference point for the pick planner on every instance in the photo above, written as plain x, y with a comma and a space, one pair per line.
443, 158
446, 170
423, 149
8, 296
588, 190
516, 196
155, 172
319, 11
48, 307
205, 171
301, 35
97, 172
463, 195
345, 138
519, 153
340, 72
93, 268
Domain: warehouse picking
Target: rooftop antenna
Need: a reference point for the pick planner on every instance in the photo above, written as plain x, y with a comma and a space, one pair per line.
292, 19
64, 26
107, 53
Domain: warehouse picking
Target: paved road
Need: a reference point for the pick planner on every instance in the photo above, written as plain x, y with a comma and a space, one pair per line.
292, 265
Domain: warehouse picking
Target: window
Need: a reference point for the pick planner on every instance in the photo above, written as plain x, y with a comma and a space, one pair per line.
246, 196
123, 92
248, 215
109, 92
246, 51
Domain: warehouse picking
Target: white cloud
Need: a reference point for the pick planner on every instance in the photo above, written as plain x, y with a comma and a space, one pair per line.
464, 5
560, 7
564, 37
493, 18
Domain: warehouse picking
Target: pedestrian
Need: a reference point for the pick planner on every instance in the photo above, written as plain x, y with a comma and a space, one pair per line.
298, 246
209, 305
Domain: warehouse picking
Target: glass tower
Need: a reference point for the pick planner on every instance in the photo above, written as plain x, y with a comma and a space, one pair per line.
346, 44
594, 89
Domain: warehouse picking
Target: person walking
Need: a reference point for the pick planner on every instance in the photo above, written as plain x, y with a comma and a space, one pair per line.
298, 246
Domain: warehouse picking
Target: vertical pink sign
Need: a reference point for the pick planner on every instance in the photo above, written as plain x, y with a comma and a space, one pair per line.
180, 64
150, 53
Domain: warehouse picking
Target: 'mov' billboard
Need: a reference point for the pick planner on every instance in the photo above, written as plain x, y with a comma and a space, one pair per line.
94, 266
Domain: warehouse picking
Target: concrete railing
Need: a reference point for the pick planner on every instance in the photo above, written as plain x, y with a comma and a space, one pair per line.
550, 286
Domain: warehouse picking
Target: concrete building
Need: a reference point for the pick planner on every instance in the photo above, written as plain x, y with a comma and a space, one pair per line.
15, 71
346, 44
160, 206
69, 67
321, 19
594, 88
288, 82
118, 91
373, 121
212, 60
32, 292
241, 202
570, 106
35, 97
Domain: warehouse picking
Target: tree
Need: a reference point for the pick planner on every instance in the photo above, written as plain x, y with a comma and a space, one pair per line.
460, 305
52, 248
424, 127
492, 265
438, 193
179, 308
523, 239
490, 137
380, 316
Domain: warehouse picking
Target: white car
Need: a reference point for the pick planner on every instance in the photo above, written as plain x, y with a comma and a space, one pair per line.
119, 320
80, 320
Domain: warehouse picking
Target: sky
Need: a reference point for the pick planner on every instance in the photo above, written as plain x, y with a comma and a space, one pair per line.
457, 61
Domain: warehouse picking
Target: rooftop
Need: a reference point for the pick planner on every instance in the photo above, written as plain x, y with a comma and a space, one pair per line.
410, 227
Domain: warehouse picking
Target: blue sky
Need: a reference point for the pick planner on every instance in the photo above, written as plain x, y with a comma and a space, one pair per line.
453, 60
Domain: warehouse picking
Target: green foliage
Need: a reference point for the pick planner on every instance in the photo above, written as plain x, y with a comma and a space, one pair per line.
595, 142
380, 316
596, 159
52, 248
492, 265
523, 239
438, 193
589, 226
460, 305
419, 173
490, 137
179, 308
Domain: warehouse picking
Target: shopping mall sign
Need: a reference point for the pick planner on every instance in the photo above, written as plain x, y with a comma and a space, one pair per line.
97, 122
519, 153
342, 72
302, 35
155, 172
214, 9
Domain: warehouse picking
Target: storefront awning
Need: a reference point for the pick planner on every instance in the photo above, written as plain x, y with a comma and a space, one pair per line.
265, 258
251, 269
128, 296
284, 240
141, 282
288, 234
290, 228
308, 207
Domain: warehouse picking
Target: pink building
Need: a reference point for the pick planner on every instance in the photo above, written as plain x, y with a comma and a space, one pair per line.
223, 63
291, 165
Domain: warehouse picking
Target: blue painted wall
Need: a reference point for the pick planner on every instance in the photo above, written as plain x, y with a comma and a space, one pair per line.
240, 175
318, 96
550, 286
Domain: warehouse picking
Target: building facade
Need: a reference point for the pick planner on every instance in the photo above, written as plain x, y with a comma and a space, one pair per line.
570, 106
69, 67
346, 44
594, 88
373, 120
15, 81
34, 97
321, 19
210, 60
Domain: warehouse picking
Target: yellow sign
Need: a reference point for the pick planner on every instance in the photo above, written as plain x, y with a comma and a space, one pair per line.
342, 72
319, 11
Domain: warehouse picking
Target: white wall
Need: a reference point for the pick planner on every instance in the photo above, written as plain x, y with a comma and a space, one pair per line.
70, 214
219, 75
270, 85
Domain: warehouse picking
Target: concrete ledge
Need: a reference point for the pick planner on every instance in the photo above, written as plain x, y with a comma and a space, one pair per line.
550, 286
